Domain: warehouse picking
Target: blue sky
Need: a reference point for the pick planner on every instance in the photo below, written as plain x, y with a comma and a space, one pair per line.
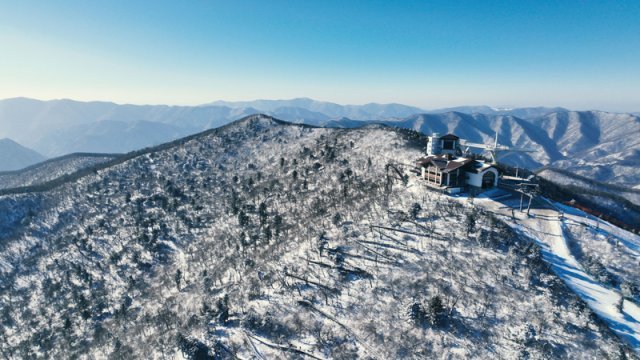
578, 54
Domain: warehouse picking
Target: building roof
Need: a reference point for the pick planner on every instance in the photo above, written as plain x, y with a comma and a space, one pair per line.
449, 137
452, 165
445, 163
479, 167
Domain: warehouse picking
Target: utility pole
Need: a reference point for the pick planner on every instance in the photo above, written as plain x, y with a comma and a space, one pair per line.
521, 199
529, 190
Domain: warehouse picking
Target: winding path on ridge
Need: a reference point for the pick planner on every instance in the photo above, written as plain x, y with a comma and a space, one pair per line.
545, 226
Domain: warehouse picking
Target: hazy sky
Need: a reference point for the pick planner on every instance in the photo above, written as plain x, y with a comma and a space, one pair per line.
578, 54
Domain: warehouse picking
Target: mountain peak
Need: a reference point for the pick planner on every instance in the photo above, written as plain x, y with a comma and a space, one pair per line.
7, 141
14, 156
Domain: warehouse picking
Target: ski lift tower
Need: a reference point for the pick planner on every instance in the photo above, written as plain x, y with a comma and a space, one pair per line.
495, 149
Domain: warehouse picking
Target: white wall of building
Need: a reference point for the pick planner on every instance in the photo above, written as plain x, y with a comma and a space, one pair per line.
434, 145
474, 179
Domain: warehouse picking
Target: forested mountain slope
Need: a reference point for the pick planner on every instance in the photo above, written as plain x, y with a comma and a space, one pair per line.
263, 239
599, 145
51, 169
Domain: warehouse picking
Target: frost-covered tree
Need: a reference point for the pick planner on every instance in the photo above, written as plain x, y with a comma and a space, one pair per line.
262, 212
436, 313
630, 290
336, 219
178, 278
415, 210
417, 313
470, 221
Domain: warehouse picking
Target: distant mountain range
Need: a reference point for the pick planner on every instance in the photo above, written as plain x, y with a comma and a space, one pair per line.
59, 127
14, 156
603, 146
599, 145
312, 109
287, 109
523, 113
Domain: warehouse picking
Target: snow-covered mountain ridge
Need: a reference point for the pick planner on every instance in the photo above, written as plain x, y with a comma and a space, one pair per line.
263, 239
46, 171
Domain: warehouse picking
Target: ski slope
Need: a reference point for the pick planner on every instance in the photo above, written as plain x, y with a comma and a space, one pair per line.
546, 226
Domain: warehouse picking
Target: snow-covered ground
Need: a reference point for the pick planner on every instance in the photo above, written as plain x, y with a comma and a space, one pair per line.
270, 240
547, 226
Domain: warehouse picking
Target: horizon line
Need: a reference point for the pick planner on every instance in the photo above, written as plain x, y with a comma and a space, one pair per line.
281, 99
211, 104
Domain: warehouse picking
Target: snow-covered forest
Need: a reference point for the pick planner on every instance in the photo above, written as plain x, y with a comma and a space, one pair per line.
264, 239
51, 169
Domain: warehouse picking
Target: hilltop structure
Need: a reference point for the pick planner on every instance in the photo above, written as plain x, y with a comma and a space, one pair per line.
446, 168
